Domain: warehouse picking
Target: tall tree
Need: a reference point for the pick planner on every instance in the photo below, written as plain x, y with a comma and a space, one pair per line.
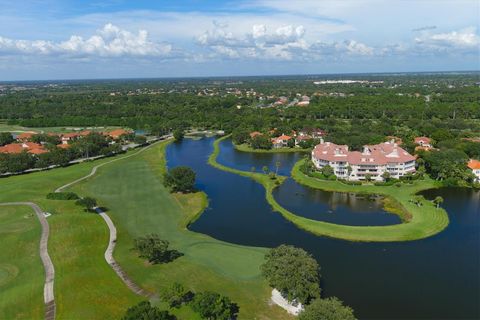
293, 272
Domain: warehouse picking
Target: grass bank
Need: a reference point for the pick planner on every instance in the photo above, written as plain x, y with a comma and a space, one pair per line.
246, 148
21, 270
419, 222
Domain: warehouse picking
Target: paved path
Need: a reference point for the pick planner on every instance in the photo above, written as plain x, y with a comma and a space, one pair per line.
48, 296
113, 231
111, 261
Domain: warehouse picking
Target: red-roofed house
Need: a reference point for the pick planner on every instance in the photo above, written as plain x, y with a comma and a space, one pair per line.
115, 134
254, 134
474, 165
30, 147
374, 160
69, 137
280, 142
423, 141
24, 136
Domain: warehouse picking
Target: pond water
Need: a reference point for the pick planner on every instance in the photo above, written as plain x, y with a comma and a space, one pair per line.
434, 278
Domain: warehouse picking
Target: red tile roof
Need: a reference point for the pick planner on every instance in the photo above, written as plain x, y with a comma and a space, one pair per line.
379, 154
117, 133
25, 135
474, 164
419, 140
30, 147
255, 133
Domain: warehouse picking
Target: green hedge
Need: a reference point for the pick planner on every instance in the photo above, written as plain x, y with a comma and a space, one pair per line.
62, 196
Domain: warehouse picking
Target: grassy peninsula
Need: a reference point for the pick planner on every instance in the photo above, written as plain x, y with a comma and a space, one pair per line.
419, 221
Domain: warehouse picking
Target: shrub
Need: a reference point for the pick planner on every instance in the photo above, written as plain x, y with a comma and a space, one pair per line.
87, 202
62, 196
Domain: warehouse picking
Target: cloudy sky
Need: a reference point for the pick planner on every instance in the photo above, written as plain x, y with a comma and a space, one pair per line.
73, 39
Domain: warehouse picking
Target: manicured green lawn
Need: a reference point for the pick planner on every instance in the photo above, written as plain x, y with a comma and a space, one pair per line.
420, 222
139, 204
85, 286
21, 270
246, 148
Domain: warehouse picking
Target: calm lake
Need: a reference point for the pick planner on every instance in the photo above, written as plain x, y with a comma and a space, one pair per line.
434, 278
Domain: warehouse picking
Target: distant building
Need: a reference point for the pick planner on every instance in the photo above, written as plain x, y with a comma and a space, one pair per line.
117, 133
374, 160
474, 165
255, 134
281, 142
423, 143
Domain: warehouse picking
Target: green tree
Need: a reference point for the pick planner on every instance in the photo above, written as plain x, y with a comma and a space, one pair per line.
438, 201
261, 142
368, 177
349, 170
210, 305
140, 140
180, 179
175, 295
386, 175
6, 138
145, 311
327, 171
293, 272
327, 309
178, 134
154, 249
240, 136
88, 203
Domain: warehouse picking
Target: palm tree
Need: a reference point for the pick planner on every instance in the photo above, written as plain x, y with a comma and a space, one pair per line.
277, 165
265, 169
437, 201
349, 170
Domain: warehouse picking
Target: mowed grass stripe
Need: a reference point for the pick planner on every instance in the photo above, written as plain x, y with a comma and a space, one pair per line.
21, 271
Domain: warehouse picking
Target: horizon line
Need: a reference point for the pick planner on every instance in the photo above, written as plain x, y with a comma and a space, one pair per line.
245, 76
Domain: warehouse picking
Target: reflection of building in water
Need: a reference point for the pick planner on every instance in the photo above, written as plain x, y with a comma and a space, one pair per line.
357, 203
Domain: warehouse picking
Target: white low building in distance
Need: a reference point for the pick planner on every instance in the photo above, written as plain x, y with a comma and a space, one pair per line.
374, 160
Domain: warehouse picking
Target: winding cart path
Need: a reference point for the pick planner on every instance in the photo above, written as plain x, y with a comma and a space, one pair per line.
113, 231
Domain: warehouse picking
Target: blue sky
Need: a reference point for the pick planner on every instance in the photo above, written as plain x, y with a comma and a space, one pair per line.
72, 39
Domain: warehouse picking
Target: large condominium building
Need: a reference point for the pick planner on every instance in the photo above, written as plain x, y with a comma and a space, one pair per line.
374, 160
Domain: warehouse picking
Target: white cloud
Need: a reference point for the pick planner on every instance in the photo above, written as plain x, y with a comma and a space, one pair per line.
284, 43
110, 41
460, 39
